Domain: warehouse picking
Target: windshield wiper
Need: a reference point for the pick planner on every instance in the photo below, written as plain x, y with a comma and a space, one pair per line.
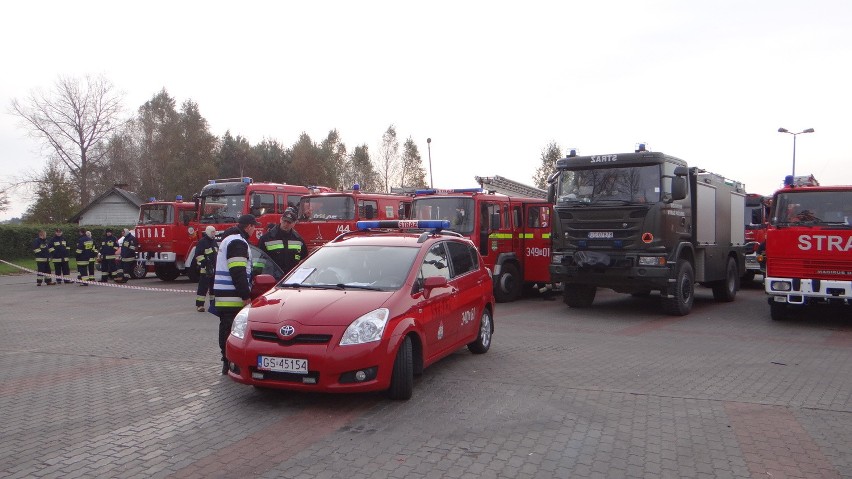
360, 286
311, 286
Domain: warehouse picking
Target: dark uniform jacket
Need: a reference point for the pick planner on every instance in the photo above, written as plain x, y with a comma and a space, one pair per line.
205, 255
41, 248
58, 248
128, 246
85, 249
287, 249
108, 248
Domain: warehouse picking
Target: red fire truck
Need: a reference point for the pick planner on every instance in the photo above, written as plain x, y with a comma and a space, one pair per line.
808, 245
756, 219
511, 232
323, 216
165, 235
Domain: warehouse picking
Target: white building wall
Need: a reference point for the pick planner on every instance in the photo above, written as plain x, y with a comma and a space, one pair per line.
111, 210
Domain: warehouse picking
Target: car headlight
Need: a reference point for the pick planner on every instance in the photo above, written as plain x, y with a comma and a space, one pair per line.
238, 328
367, 328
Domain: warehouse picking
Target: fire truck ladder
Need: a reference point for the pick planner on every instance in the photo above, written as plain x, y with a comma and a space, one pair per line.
505, 186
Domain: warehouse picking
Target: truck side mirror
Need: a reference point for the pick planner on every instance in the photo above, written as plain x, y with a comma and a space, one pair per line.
255, 200
551, 193
678, 188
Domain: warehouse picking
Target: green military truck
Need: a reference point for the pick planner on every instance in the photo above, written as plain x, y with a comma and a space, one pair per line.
642, 222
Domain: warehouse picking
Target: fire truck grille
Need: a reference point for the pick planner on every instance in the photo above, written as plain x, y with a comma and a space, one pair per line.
588, 228
300, 339
809, 268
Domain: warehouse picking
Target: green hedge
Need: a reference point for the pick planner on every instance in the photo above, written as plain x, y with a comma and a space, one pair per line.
16, 240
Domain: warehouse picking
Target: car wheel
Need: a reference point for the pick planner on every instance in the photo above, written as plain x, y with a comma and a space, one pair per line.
139, 271
726, 290
166, 271
508, 285
684, 292
402, 377
579, 295
483, 339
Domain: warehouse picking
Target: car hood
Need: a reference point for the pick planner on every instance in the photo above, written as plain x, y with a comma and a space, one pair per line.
316, 307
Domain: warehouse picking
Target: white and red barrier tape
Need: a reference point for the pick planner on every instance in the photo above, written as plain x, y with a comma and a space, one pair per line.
98, 283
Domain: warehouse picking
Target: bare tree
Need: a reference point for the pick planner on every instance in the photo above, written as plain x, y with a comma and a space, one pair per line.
549, 155
75, 122
388, 160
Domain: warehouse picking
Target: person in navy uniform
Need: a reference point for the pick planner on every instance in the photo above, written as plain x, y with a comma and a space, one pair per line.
283, 244
205, 257
232, 283
41, 248
107, 255
128, 255
59, 257
85, 255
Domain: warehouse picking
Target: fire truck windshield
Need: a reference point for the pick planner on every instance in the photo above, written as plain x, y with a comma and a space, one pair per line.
635, 184
814, 207
321, 208
457, 210
154, 214
222, 208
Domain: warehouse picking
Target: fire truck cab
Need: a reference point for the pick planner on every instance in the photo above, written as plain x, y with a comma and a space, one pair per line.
756, 220
324, 216
512, 233
165, 233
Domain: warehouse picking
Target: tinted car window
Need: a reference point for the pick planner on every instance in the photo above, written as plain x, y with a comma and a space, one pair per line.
263, 264
464, 258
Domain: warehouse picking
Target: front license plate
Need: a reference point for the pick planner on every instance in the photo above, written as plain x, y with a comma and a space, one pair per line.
282, 365
600, 234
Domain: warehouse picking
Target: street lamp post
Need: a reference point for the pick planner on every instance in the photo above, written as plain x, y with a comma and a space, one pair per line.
429, 148
784, 130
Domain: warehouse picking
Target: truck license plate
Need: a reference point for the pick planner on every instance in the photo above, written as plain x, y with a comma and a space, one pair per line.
600, 234
282, 365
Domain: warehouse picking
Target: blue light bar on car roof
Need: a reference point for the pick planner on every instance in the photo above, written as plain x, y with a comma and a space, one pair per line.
404, 224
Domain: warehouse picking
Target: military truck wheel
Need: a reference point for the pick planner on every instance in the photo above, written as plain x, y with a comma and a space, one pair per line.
684, 292
578, 296
508, 285
726, 290
139, 271
778, 311
166, 271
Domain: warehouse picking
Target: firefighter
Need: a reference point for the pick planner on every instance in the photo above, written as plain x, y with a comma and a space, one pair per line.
128, 255
84, 252
205, 257
283, 244
107, 256
59, 257
232, 284
41, 248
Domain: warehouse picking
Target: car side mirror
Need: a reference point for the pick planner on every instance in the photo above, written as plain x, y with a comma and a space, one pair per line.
433, 282
262, 283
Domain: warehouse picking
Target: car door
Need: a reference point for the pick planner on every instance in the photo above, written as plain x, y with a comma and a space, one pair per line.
437, 303
469, 283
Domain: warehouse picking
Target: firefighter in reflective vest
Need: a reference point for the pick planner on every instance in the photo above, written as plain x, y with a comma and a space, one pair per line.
41, 248
232, 284
85, 255
205, 257
128, 255
283, 244
59, 257
107, 254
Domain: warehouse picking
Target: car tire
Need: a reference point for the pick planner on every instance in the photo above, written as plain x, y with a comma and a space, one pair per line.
483, 338
684, 292
139, 271
725, 291
166, 271
579, 295
508, 285
402, 376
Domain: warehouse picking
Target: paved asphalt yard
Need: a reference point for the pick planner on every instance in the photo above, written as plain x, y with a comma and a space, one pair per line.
115, 382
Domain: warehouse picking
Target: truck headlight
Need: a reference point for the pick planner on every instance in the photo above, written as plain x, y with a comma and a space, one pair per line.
238, 328
556, 258
780, 286
652, 261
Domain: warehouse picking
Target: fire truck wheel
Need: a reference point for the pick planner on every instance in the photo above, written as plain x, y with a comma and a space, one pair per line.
726, 290
166, 272
509, 284
579, 295
139, 271
483, 339
778, 311
402, 376
684, 291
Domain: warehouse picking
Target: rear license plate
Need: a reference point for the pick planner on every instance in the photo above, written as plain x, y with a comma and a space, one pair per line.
600, 234
282, 365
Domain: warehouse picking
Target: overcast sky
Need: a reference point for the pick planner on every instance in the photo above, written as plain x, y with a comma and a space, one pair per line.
492, 83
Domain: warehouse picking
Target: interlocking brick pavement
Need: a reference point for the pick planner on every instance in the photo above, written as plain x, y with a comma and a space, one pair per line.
98, 382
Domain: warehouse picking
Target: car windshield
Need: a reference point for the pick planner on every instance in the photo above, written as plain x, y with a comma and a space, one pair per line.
637, 184
221, 208
457, 210
382, 268
831, 207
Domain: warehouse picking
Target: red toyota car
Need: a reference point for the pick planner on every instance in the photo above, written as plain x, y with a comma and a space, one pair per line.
367, 312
